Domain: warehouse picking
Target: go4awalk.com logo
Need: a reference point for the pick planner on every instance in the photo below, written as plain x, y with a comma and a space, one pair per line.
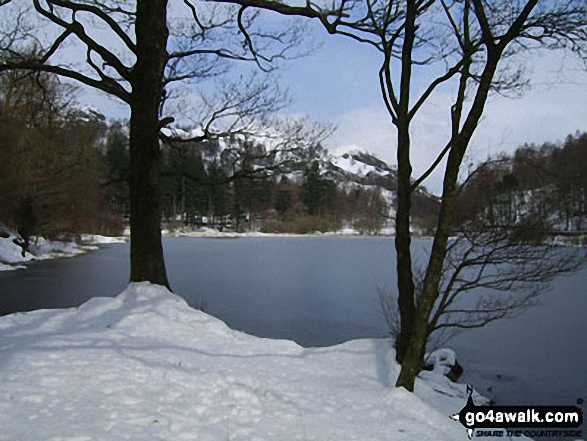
514, 421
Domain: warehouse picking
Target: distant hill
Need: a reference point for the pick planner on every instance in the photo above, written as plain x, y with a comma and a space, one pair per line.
252, 181
360, 168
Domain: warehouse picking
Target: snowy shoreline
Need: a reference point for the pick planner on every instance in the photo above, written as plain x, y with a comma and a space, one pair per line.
557, 239
211, 232
145, 365
12, 254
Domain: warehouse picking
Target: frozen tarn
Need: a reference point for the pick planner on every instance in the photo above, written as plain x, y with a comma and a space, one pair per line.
144, 365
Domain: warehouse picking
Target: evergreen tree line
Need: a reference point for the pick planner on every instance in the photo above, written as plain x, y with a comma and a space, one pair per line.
200, 186
537, 190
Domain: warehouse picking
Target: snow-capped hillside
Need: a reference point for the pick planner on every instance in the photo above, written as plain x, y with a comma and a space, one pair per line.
367, 169
291, 143
345, 168
363, 169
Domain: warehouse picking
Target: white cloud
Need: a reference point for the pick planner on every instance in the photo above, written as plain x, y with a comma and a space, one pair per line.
542, 115
370, 128
553, 108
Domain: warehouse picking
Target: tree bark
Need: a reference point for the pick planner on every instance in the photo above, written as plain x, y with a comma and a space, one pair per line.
146, 250
405, 278
412, 363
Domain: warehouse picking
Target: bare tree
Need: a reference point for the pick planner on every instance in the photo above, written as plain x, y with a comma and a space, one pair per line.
251, 147
510, 273
490, 34
136, 52
476, 44
488, 274
50, 166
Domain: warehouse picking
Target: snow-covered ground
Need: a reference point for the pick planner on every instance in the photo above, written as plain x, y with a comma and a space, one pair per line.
12, 254
144, 365
96, 239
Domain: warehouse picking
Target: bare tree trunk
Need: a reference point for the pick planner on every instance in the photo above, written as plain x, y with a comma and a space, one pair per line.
412, 363
146, 250
405, 279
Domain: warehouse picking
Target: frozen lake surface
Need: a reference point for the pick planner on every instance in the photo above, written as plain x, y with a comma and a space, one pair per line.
323, 291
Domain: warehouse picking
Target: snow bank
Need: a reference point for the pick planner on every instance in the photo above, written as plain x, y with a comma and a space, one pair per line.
199, 232
96, 239
50, 249
4, 267
10, 251
144, 365
442, 360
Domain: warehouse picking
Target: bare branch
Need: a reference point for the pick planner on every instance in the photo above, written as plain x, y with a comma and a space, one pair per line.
78, 30
437, 82
309, 10
486, 31
432, 167
256, 56
110, 88
194, 12
515, 273
58, 41
388, 94
102, 15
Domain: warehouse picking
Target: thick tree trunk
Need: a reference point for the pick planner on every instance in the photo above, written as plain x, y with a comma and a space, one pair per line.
405, 278
412, 363
146, 251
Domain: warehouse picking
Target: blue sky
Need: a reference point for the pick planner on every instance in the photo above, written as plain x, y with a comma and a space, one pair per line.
338, 84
